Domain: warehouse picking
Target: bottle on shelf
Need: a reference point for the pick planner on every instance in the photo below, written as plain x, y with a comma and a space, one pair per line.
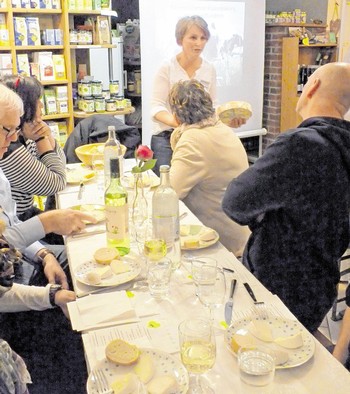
165, 216
112, 149
117, 211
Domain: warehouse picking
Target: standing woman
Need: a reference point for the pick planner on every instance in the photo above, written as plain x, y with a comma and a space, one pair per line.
191, 34
35, 163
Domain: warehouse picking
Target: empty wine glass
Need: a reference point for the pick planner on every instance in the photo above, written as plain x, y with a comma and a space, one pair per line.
198, 352
196, 265
211, 288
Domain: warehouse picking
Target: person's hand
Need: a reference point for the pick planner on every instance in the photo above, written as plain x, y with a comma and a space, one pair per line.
237, 122
34, 130
62, 297
65, 221
54, 272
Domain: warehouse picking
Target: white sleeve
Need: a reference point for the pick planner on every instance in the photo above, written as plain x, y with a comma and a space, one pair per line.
161, 89
25, 298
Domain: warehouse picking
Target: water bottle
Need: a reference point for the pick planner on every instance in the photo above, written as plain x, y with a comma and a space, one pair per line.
165, 217
112, 150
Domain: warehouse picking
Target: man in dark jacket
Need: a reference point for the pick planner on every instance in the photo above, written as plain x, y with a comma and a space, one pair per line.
296, 199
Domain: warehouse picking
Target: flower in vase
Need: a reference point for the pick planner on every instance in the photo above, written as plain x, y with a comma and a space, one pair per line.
144, 159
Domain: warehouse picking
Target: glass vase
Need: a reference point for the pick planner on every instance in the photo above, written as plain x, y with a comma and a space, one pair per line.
139, 211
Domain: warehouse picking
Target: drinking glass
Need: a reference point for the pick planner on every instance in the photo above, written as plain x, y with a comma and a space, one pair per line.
159, 274
196, 266
198, 352
211, 288
155, 249
97, 162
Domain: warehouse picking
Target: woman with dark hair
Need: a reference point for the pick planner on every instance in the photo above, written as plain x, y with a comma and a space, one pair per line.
35, 163
207, 155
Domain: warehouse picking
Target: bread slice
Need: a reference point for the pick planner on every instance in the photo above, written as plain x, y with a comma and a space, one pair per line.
121, 352
164, 384
144, 368
106, 255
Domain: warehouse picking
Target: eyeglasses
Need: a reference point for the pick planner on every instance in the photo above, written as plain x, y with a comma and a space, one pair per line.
11, 132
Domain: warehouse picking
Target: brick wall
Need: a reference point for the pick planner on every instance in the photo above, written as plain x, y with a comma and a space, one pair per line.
272, 82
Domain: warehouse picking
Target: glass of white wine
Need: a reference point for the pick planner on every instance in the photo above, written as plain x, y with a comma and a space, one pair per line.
155, 249
211, 288
198, 352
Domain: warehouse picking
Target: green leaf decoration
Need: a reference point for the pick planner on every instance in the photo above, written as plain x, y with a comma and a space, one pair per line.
153, 324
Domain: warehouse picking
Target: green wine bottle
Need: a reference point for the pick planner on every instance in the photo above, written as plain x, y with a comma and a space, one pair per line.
117, 211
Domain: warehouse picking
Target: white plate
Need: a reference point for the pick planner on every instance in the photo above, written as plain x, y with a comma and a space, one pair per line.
95, 210
113, 280
280, 328
128, 180
79, 174
194, 231
165, 364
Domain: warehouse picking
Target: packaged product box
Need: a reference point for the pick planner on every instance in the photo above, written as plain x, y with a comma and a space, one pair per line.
63, 131
23, 64
20, 27
79, 4
72, 4
49, 37
59, 67
34, 4
5, 61
16, 4
50, 102
46, 4
56, 4
61, 92
45, 65
2, 21
54, 129
33, 30
102, 30
96, 4
25, 4
62, 106
4, 37
34, 70
58, 36
87, 4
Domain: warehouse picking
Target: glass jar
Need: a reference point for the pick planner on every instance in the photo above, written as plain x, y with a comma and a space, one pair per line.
84, 88
111, 105
73, 37
106, 94
120, 102
114, 87
131, 86
100, 104
89, 104
96, 88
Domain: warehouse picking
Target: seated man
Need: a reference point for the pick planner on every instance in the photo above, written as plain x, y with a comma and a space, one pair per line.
296, 200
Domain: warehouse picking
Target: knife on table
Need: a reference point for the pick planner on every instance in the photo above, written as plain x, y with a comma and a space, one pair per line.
229, 303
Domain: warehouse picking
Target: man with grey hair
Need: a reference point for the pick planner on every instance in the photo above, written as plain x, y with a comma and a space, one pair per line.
296, 200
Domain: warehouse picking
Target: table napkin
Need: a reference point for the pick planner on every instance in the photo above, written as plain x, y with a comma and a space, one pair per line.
101, 310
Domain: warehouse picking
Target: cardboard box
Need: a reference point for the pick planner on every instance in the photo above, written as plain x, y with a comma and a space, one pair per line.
20, 26
16, 4
59, 67
102, 30
23, 64
5, 61
45, 65
25, 4
4, 37
49, 37
61, 92
45, 4
33, 30
56, 4
62, 106
63, 130
34, 4
50, 102
58, 36
35, 70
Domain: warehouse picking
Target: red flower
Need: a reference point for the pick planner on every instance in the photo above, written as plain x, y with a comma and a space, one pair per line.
144, 153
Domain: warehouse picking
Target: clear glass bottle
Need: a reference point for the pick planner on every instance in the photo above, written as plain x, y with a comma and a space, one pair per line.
117, 211
111, 150
165, 216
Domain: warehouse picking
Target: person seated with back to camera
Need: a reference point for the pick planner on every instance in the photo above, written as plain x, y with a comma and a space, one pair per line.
206, 156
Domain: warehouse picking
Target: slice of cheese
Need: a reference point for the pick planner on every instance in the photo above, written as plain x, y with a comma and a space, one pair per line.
191, 242
93, 277
207, 235
164, 384
243, 341
125, 384
185, 230
120, 267
261, 330
144, 368
281, 357
291, 342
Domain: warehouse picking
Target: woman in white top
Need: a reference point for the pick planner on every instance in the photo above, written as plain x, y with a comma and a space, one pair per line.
192, 34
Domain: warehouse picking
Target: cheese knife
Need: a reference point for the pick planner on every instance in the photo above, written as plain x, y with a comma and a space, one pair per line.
229, 303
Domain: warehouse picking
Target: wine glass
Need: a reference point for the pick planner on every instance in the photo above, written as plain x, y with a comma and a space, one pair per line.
198, 352
211, 288
196, 265
155, 249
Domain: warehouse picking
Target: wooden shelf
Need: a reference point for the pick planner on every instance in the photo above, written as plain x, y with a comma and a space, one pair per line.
5, 48
55, 82
318, 45
93, 46
133, 94
83, 115
44, 11
38, 47
323, 25
56, 116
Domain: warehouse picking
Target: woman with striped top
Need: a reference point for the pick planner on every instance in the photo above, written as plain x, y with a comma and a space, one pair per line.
35, 163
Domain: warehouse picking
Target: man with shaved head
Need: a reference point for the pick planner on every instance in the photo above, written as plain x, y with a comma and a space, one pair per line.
296, 200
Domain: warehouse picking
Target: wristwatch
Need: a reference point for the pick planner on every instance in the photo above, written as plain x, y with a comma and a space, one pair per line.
52, 292
43, 253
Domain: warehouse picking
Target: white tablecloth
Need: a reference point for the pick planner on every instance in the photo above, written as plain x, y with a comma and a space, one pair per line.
321, 374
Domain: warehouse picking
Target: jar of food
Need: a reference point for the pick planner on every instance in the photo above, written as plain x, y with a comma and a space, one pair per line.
114, 87
120, 102
96, 88
100, 104
111, 105
73, 37
131, 86
127, 103
89, 104
84, 88
106, 94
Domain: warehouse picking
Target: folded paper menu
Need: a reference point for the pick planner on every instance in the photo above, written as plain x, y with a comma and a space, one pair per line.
101, 310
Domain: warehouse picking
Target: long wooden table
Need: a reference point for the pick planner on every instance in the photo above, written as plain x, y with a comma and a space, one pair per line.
320, 374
